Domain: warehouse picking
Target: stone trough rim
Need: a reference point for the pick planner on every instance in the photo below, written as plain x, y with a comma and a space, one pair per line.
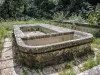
87, 39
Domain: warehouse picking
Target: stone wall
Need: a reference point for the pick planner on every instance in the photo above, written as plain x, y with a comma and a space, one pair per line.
93, 29
51, 54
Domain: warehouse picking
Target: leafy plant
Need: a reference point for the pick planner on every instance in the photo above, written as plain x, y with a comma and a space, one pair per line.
76, 19
59, 16
93, 17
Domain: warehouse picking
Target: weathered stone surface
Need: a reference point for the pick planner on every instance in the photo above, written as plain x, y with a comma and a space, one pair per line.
7, 44
49, 53
34, 72
9, 67
7, 40
48, 70
9, 71
6, 55
7, 64
54, 74
93, 71
36, 33
7, 49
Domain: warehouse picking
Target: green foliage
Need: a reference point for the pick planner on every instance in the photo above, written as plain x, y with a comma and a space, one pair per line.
98, 58
96, 41
11, 8
59, 16
3, 32
90, 63
23, 72
42, 8
69, 65
69, 69
93, 17
77, 19
71, 72
68, 72
55, 2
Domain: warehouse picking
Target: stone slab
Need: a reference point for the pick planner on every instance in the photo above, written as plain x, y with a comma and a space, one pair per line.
6, 49
6, 55
7, 64
93, 71
7, 44
7, 40
48, 70
54, 74
11, 71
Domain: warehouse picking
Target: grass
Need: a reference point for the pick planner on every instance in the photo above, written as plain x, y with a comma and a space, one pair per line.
24, 72
69, 69
90, 63
96, 43
8, 26
68, 72
3, 34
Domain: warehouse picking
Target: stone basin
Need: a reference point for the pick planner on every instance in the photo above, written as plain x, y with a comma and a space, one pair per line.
40, 45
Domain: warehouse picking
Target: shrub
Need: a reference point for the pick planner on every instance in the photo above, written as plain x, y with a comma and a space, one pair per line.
77, 19
94, 16
59, 16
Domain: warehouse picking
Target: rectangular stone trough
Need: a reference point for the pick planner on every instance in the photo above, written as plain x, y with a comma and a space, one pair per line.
40, 45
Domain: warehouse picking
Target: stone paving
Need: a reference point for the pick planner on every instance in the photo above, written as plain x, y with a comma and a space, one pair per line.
8, 66
6, 61
93, 71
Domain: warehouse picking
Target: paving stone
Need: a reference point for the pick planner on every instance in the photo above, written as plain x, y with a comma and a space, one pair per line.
7, 64
7, 44
48, 70
7, 40
8, 71
18, 70
35, 72
76, 69
93, 71
7, 55
54, 74
7, 49
59, 67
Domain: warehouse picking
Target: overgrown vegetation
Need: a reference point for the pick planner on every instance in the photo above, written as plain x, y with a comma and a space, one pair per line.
3, 34
90, 63
27, 9
77, 19
69, 70
24, 72
7, 26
